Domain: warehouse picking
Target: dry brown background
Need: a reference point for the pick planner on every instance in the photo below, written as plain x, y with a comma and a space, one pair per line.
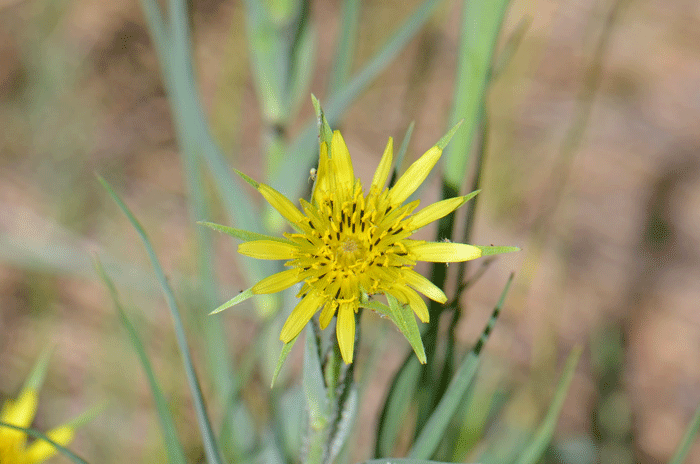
609, 229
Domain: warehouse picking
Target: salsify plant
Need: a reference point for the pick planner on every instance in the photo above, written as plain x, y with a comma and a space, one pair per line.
350, 245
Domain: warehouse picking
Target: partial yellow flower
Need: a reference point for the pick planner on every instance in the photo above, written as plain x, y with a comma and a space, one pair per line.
13, 443
349, 245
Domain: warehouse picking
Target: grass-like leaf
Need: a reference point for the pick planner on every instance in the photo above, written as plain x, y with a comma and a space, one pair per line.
40, 436
545, 431
481, 25
687, 440
176, 454
430, 436
394, 414
345, 48
210, 447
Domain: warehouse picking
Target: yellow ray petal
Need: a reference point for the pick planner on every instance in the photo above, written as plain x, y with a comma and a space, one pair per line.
423, 285
417, 304
342, 164
285, 207
435, 211
40, 450
443, 252
278, 282
301, 314
382, 173
21, 411
414, 176
345, 330
268, 249
326, 315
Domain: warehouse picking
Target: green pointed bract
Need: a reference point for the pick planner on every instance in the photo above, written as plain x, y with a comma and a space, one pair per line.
442, 143
241, 297
496, 250
241, 234
283, 356
325, 134
36, 378
255, 184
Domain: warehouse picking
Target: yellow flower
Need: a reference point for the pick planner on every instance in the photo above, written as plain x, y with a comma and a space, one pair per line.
13, 443
350, 245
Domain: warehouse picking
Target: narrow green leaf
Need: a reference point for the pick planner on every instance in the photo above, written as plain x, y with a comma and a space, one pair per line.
40, 436
345, 45
302, 59
480, 27
283, 355
543, 436
395, 412
176, 454
405, 320
241, 234
496, 250
429, 438
211, 449
511, 46
159, 33
241, 297
267, 58
687, 441
325, 133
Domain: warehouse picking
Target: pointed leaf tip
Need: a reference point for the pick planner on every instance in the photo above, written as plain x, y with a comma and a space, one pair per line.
248, 179
280, 362
442, 143
325, 134
496, 250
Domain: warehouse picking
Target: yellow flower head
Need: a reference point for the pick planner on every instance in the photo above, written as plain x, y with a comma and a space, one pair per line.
350, 244
13, 443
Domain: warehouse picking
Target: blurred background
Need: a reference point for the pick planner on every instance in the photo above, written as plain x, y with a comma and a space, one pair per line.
592, 168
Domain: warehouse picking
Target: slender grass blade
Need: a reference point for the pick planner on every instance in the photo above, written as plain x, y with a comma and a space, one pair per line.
543, 436
431, 435
210, 447
176, 454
